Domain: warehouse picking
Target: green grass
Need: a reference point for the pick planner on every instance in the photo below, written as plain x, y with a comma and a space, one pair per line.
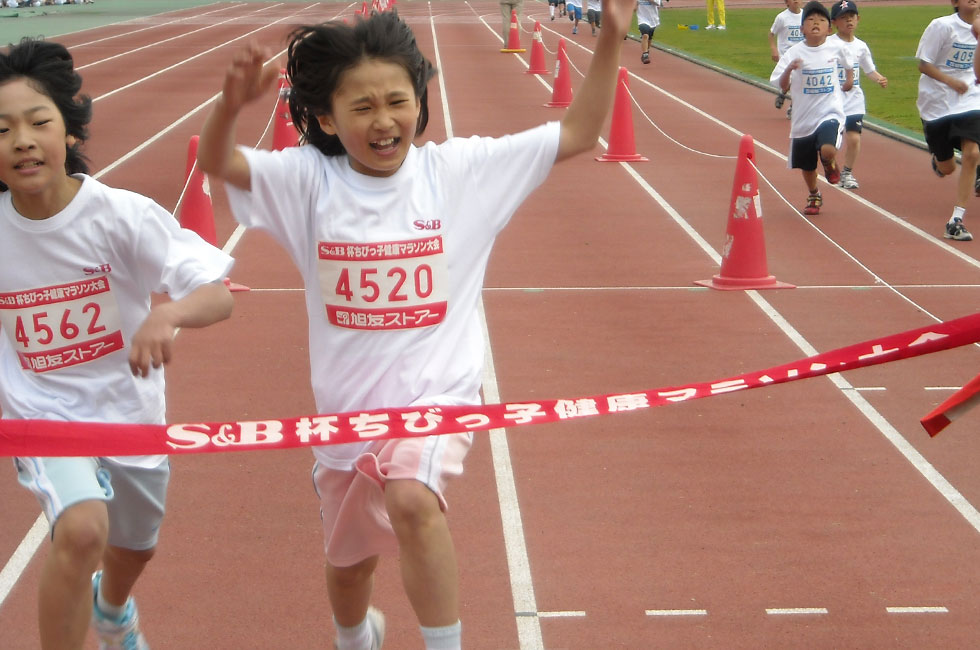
892, 33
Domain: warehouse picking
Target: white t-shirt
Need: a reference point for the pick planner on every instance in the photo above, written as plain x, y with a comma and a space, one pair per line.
393, 267
595, 5
74, 288
648, 12
860, 55
786, 29
947, 43
814, 86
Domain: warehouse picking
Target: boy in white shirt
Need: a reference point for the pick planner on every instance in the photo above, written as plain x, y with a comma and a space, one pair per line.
949, 104
647, 20
784, 34
808, 70
844, 13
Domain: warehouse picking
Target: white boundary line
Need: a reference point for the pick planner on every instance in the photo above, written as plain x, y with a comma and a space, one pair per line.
521, 582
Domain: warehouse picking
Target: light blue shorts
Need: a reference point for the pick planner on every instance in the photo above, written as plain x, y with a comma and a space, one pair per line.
135, 496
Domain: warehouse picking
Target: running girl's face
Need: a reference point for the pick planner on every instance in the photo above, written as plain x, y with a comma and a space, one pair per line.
794, 5
966, 8
33, 150
374, 113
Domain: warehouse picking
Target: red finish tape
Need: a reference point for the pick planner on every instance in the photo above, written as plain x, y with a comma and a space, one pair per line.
54, 438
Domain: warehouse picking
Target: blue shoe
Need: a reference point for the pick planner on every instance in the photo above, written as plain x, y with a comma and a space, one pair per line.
117, 634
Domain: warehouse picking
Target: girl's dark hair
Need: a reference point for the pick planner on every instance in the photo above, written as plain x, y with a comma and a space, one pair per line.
49, 69
320, 54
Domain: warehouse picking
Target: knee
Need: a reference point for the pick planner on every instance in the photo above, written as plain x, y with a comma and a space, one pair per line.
411, 505
352, 576
80, 536
971, 155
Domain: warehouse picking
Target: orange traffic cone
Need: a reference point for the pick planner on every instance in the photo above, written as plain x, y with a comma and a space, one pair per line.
622, 148
743, 262
537, 65
195, 209
514, 37
561, 93
284, 133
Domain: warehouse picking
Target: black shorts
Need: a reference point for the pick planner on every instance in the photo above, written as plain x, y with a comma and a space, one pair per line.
854, 123
646, 30
803, 152
594, 16
943, 135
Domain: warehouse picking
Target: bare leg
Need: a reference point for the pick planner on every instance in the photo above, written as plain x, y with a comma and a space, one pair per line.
968, 172
428, 558
65, 599
121, 569
349, 589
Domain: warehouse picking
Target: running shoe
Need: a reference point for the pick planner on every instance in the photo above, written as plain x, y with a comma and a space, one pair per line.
552, 17
847, 181
645, 57
830, 171
956, 231
710, 27
780, 100
376, 622
789, 113
117, 634
813, 203
575, 30
722, 27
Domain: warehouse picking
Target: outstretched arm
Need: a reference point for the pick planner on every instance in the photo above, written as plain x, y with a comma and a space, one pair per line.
582, 123
245, 81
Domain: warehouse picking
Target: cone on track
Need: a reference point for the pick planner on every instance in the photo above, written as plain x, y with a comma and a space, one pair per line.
514, 37
743, 262
622, 147
284, 133
561, 94
537, 64
196, 211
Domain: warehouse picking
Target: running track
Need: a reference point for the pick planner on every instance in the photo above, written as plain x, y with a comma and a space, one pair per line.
816, 514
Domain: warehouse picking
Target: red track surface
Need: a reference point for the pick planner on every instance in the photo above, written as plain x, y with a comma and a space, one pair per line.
677, 527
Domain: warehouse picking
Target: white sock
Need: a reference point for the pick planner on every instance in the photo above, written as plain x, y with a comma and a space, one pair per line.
353, 638
108, 609
551, 8
958, 213
449, 637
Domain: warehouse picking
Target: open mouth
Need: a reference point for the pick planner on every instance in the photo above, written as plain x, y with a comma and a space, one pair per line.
28, 164
385, 146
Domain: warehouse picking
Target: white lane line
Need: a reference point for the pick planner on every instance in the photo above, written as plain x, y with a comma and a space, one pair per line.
562, 614
22, 556
796, 611
917, 610
676, 612
521, 584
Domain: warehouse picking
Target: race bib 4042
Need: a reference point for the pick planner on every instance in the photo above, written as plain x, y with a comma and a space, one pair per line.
63, 325
384, 285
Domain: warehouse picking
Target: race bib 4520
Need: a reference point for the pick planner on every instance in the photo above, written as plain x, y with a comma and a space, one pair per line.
384, 285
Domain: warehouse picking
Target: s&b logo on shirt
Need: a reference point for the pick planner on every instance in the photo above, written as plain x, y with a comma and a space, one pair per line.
431, 224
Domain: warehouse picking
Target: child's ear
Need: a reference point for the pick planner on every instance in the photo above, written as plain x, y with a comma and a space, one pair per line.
70, 140
326, 123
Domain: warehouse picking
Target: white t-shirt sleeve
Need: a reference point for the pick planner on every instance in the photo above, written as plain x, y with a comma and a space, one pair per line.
504, 170
172, 259
285, 186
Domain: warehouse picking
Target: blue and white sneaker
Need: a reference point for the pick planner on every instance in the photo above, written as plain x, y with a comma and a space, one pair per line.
117, 634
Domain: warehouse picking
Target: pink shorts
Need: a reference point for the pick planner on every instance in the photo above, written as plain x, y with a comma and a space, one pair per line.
352, 502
